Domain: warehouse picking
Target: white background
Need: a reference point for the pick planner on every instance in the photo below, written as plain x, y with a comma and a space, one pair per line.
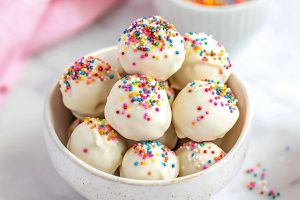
269, 64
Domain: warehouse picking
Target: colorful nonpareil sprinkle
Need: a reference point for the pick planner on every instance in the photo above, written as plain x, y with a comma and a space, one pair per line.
89, 69
141, 90
258, 181
148, 151
103, 128
207, 49
216, 2
149, 32
199, 149
221, 94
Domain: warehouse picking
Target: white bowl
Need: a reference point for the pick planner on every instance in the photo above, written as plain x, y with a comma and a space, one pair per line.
95, 184
232, 24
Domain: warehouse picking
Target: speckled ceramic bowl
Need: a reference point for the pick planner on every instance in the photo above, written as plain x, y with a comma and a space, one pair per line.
94, 184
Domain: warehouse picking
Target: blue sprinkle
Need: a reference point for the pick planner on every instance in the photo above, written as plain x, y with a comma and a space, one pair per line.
111, 76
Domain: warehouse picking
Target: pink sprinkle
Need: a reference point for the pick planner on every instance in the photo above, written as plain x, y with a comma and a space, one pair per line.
145, 116
85, 150
134, 64
157, 109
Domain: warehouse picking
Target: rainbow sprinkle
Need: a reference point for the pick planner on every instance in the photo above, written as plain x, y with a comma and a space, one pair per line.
218, 90
217, 2
143, 91
103, 128
201, 148
221, 96
145, 151
149, 32
258, 181
208, 49
89, 68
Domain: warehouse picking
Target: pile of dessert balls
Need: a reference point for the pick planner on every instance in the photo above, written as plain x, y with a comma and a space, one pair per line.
167, 86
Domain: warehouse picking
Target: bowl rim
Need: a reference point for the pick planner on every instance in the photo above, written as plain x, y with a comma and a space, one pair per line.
220, 9
51, 132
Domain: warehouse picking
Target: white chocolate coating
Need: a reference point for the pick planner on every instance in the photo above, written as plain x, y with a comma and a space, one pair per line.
96, 143
72, 126
169, 138
158, 53
150, 161
205, 58
138, 108
180, 142
195, 157
86, 85
204, 111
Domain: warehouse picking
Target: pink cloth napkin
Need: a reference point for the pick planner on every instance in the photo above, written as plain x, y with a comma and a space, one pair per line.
27, 27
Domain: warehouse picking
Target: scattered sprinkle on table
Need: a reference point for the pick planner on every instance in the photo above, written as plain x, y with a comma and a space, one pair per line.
257, 181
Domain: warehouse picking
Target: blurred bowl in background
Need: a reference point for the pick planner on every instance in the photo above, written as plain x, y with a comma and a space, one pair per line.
231, 24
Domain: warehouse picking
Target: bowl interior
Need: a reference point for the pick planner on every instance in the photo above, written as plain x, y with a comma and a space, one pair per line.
59, 117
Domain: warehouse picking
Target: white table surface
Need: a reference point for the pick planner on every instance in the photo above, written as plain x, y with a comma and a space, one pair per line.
269, 65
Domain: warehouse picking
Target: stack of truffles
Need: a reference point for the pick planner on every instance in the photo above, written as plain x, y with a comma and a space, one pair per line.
167, 86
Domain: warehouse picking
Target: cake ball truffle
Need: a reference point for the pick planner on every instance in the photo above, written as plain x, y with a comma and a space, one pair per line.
138, 108
170, 91
204, 111
150, 161
95, 142
205, 58
169, 138
195, 157
151, 46
86, 84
